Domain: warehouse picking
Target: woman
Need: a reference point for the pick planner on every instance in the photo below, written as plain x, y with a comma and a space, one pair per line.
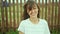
32, 24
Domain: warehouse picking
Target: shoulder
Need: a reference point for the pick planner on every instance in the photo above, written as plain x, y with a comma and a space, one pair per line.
43, 21
24, 21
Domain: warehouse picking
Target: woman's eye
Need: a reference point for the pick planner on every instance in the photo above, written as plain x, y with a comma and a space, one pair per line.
34, 8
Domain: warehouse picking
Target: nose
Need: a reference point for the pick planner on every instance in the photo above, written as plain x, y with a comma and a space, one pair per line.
32, 10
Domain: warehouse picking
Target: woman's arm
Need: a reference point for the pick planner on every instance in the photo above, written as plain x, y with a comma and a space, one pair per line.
21, 27
21, 32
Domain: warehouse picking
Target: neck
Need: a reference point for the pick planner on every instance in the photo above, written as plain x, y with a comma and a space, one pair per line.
34, 20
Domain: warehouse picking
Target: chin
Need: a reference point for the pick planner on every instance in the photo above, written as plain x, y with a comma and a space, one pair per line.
33, 16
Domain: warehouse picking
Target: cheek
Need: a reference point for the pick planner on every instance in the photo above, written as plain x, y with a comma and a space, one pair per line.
29, 12
36, 11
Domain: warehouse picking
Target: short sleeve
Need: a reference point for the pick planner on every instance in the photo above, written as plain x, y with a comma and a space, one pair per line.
47, 31
21, 27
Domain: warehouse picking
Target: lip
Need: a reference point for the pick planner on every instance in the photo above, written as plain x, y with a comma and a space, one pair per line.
32, 14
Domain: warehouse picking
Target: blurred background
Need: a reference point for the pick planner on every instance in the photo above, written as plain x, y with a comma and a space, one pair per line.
11, 14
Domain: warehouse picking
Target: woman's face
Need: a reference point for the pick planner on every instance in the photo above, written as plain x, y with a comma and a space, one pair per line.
33, 12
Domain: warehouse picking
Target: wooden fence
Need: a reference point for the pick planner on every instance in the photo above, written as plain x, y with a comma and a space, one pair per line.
11, 13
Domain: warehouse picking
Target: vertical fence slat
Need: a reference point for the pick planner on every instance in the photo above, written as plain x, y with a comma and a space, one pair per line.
6, 15
0, 19
24, 1
59, 15
56, 27
35, 0
21, 9
2, 14
10, 14
18, 12
56, 12
14, 20
42, 8
46, 9
39, 3
52, 14
49, 13
39, 7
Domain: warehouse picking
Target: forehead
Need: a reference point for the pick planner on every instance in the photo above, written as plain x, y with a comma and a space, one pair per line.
34, 5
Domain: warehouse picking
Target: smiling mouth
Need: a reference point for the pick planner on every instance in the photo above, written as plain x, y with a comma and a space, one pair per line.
32, 14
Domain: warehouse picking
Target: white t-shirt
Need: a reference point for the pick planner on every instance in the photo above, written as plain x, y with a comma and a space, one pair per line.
29, 28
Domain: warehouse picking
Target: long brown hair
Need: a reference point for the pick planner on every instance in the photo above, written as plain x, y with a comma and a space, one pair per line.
30, 3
